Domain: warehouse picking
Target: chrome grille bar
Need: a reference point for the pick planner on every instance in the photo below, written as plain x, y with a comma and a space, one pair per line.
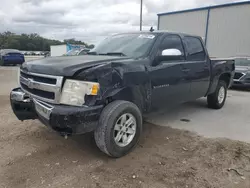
38, 85
31, 84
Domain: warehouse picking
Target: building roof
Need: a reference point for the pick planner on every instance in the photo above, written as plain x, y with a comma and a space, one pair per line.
205, 8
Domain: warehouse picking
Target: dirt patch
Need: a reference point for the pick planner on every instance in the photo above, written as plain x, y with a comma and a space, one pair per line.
34, 156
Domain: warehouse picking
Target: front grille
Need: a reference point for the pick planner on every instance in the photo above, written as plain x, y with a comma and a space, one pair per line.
44, 87
40, 93
238, 75
38, 78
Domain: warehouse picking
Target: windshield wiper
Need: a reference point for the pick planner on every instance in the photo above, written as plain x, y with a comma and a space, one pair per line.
113, 53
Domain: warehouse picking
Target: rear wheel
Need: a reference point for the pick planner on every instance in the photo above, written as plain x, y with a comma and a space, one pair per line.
119, 128
217, 99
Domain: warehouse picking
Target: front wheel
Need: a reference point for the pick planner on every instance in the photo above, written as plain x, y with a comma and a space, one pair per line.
217, 99
119, 129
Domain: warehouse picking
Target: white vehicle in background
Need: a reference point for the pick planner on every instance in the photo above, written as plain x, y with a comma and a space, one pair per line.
77, 52
38, 53
64, 49
27, 53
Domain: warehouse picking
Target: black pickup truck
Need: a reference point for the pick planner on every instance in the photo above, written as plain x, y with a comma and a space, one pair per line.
125, 77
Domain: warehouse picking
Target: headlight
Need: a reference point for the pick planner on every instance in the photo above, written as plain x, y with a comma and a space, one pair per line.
74, 91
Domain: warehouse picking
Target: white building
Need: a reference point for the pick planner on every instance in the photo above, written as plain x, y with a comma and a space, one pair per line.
58, 50
224, 28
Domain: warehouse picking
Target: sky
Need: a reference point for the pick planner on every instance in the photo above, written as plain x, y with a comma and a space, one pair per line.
87, 20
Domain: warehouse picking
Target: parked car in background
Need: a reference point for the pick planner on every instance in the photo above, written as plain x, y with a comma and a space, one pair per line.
46, 54
72, 52
77, 52
242, 73
11, 57
27, 53
83, 51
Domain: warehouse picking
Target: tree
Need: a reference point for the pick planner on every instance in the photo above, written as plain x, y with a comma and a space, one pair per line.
31, 46
73, 41
32, 42
13, 44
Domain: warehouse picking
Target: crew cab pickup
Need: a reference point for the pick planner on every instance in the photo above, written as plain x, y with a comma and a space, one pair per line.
125, 77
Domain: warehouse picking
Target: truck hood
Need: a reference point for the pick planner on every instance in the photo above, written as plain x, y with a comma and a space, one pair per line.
67, 65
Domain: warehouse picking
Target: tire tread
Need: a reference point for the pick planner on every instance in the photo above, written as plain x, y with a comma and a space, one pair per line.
212, 99
101, 138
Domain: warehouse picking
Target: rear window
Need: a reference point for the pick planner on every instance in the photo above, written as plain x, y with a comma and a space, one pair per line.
195, 50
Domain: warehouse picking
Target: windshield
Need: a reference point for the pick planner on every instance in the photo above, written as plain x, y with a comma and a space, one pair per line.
131, 45
242, 62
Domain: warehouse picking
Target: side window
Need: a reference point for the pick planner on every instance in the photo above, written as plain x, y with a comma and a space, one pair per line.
172, 42
195, 50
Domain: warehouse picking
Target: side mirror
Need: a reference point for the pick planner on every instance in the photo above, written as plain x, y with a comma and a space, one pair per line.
171, 52
169, 55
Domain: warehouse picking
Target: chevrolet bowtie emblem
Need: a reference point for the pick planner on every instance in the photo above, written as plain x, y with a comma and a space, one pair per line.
30, 83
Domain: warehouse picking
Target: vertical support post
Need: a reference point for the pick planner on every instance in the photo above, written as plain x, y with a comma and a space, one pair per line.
207, 24
158, 23
141, 16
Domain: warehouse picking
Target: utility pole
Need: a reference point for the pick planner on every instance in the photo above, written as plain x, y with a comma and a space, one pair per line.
141, 16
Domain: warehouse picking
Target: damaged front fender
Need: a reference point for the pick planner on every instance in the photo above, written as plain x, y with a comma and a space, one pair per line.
119, 81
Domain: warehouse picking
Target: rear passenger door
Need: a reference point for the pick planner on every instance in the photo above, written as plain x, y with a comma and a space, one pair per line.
197, 65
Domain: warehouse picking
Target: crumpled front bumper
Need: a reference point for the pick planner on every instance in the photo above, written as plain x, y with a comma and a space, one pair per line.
62, 118
22, 105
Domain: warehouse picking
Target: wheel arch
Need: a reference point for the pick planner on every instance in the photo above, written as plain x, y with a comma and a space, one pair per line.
226, 76
135, 94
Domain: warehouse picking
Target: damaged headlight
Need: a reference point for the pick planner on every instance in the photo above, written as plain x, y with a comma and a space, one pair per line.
74, 91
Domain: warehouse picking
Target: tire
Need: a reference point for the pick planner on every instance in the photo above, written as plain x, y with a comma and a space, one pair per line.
215, 100
106, 131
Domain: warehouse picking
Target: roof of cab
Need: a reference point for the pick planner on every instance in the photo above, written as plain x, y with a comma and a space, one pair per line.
159, 32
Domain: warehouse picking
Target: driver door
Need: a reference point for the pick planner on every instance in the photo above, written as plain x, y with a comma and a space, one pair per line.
169, 78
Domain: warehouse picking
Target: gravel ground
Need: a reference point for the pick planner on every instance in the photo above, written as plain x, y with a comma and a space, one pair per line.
34, 156
31, 155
